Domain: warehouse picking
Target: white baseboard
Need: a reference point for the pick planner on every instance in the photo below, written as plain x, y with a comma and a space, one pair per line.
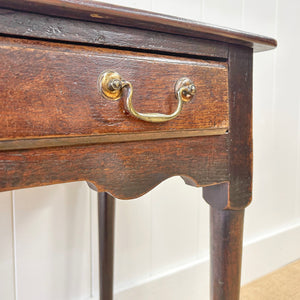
261, 256
270, 252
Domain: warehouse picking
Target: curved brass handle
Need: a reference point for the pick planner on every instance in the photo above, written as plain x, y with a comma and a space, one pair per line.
111, 85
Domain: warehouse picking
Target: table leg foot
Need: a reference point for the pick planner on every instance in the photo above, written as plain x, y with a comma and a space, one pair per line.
226, 253
106, 219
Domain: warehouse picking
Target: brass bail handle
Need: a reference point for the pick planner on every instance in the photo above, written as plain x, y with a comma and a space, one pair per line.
112, 85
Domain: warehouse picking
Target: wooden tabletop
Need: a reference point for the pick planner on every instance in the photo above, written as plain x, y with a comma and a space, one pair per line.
91, 10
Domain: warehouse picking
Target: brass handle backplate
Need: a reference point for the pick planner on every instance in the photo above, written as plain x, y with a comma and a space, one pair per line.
111, 85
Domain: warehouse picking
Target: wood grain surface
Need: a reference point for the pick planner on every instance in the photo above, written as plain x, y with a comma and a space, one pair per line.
50, 90
126, 170
228, 199
91, 10
241, 146
106, 233
51, 105
226, 245
37, 26
239, 192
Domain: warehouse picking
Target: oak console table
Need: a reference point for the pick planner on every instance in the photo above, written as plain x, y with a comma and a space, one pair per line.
123, 99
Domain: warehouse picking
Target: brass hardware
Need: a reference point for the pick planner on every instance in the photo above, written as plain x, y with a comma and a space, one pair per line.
111, 85
189, 88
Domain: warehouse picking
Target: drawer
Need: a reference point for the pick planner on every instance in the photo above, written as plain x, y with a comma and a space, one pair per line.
50, 95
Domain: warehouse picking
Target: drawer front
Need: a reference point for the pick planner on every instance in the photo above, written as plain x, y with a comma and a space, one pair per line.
50, 91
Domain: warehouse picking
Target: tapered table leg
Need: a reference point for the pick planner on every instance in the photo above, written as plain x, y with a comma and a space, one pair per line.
106, 219
226, 253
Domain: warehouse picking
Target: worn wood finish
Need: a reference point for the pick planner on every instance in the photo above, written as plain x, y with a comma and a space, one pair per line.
100, 139
228, 199
241, 152
45, 82
56, 127
239, 194
126, 170
217, 195
106, 219
53, 28
96, 11
226, 242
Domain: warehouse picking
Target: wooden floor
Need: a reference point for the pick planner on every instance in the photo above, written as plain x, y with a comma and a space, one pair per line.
283, 284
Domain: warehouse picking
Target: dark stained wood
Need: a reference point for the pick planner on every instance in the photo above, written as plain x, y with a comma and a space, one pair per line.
60, 29
126, 170
45, 82
240, 95
226, 242
240, 135
217, 195
56, 127
106, 219
95, 11
100, 139
228, 199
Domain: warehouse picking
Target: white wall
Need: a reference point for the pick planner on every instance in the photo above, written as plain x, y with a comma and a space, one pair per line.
48, 235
